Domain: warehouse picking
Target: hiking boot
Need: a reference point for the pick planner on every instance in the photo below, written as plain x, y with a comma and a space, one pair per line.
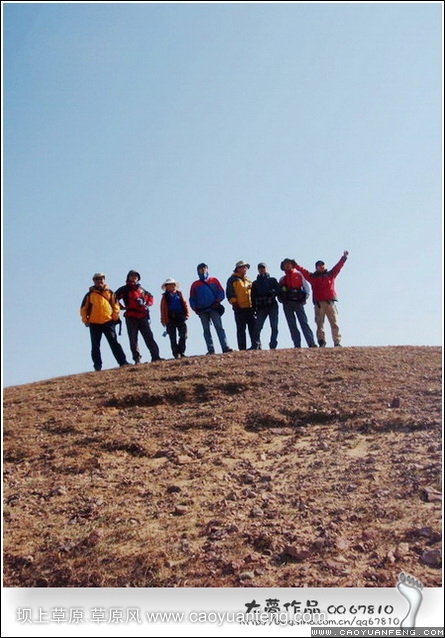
313, 345
226, 350
125, 363
211, 352
337, 345
322, 343
157, 359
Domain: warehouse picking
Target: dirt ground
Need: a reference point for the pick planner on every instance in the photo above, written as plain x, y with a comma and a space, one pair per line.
285, 468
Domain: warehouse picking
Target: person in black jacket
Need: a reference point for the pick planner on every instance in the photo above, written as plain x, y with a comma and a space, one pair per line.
264, 301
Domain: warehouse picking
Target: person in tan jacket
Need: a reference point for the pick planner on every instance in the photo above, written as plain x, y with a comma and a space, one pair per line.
99, 311
238, 293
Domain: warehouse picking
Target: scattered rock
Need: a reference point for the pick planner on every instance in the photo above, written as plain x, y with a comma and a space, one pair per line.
430, 494
342, 543
262, 541
432, 557
402, 550
430, 534
246, 576
337, 567
161, 453
297, 552
235, 565
93, 538
183, 459
58, 491
184, 545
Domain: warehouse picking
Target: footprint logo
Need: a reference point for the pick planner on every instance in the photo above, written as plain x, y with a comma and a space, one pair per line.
410, 588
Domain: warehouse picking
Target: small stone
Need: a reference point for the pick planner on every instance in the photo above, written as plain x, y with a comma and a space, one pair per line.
430, 494
299, 553
432, 557
183, 459
246, 576
402, 550
342, 543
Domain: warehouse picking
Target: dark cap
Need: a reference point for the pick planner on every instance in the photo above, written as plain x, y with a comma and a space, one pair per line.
133, 273
292, 261
319, 263
262, 265
201, 265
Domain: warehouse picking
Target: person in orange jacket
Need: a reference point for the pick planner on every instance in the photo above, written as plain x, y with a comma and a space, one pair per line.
99, 311
238, 293
174, 313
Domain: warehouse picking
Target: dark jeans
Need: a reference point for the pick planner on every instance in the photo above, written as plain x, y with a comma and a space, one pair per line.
109, 330
177, 331
134, 326
292, 311
261, 316
245, 318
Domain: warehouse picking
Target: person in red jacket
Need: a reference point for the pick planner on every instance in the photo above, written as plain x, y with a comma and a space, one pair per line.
324, 297
136, 303
292, 293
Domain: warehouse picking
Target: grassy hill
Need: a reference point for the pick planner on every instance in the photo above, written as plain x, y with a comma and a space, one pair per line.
311, 467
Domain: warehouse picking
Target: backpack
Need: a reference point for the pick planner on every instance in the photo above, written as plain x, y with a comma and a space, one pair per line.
298, 295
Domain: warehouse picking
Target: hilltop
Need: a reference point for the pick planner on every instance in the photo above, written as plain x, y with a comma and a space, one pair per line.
311, 467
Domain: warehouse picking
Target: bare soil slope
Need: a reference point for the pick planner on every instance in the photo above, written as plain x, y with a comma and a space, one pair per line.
260, 469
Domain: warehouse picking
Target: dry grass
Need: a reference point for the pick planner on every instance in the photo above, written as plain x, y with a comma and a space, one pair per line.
260, 469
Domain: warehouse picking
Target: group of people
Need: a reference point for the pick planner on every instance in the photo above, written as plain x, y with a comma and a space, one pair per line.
253, 302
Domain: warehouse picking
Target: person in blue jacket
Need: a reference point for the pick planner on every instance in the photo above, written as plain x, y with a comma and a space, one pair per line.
206, 295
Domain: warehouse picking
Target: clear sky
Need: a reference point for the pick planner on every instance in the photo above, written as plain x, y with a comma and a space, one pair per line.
155, 136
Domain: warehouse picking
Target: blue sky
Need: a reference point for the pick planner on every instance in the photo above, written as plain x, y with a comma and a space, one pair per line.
155, 136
